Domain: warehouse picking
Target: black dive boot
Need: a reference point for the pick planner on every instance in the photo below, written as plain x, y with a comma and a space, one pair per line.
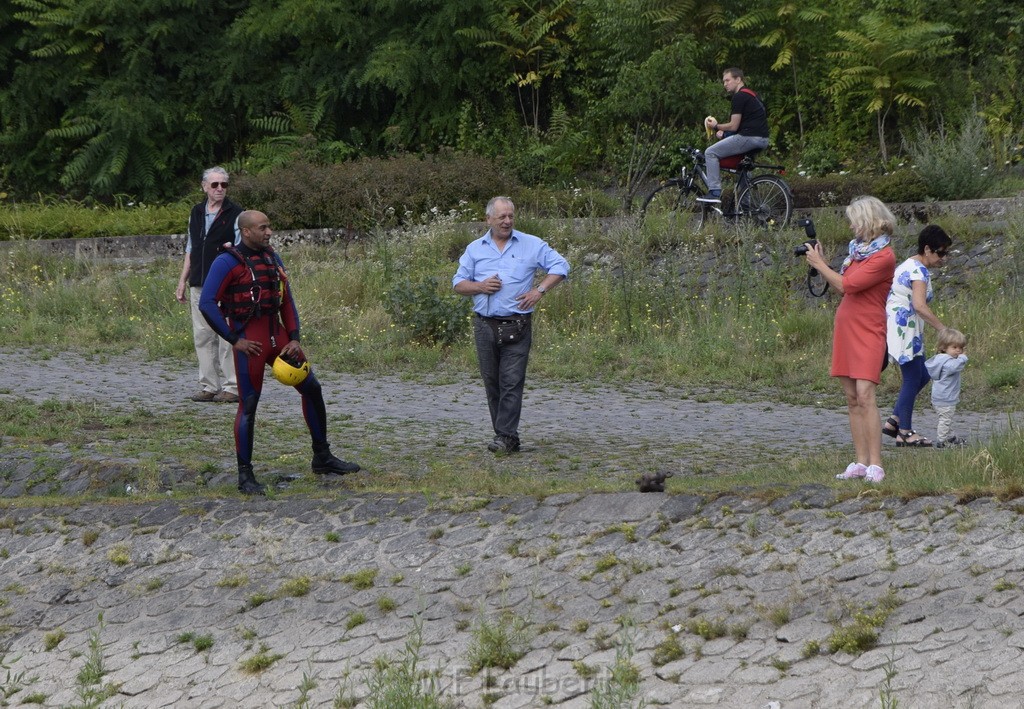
325, 463
247, 483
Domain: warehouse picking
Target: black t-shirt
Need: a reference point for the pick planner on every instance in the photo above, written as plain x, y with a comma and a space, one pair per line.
754, 118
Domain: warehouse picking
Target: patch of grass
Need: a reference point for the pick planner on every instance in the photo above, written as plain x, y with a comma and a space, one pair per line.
861, 634
362, 579
89, 537
119, 555
499, 642
399, 682
668, 650
606, 563
332, 537
386, 604
296, 587
261, 661
233, 581
622, 683
584, 670
255, 600
54, 638
1003, 585
355, 620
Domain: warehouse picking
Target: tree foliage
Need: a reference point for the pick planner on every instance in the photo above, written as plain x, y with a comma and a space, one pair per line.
101, 97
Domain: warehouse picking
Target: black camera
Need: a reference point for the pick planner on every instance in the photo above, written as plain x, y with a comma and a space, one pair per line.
812, 236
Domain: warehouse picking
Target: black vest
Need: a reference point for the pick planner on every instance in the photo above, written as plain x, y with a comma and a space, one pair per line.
205, 248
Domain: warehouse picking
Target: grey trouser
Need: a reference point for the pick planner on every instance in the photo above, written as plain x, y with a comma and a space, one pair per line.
945, 421
733, 145
503, 370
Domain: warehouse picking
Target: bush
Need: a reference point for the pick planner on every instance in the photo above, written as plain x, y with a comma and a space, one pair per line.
954, 166
372, 191
429, 312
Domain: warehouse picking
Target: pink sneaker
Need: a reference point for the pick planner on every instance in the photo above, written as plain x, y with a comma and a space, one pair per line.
853, 471
875, 474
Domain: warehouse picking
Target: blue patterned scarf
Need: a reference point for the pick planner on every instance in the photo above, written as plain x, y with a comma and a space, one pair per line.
860, 250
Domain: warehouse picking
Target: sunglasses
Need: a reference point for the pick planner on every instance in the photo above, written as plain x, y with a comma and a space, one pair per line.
215, 185
941, 253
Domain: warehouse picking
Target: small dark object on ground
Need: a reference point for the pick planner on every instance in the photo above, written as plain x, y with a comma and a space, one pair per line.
653, 482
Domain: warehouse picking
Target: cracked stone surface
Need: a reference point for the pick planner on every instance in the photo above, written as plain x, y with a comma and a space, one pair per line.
731, 602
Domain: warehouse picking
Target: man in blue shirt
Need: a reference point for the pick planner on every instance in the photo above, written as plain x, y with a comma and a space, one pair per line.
498, 271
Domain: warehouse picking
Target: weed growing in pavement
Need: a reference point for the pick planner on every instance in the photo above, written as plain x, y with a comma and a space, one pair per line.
355, 620
54, 638
259, 662
861, 634
307, 685
13, 682
399, 682
620, 686
201, 643
886, 695
362, 579
233, 581
295, 587
499, 642
119, 554
668, 650
91, 692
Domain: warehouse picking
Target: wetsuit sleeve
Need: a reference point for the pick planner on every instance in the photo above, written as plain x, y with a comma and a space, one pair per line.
217, 281
289, 313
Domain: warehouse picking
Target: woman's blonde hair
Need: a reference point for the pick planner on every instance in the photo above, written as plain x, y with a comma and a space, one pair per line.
948, 337
870, 218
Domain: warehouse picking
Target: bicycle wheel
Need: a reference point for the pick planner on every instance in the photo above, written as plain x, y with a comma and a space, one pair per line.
767, 202
674, 208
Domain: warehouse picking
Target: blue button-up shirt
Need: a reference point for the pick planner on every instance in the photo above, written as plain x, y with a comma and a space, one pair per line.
524, 254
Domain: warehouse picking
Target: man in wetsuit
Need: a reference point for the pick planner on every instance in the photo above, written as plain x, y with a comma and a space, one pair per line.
247, 299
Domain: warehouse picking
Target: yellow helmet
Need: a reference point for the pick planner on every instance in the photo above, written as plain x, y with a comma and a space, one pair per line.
290, 371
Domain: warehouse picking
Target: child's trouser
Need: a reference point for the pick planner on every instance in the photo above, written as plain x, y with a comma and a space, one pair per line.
945, 421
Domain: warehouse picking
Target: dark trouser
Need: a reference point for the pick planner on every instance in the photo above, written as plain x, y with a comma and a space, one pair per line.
270, 333
503, 370
915, 378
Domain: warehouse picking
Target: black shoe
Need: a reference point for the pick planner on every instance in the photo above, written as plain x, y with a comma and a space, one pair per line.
326, 463
503, 444
247, 483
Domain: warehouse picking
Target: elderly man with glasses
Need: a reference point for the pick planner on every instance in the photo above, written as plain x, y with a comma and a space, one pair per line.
212, 223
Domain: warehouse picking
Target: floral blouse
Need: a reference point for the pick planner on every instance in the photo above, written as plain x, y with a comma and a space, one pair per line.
904, 328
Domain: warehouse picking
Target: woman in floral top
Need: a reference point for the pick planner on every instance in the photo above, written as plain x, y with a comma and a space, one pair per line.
907, 312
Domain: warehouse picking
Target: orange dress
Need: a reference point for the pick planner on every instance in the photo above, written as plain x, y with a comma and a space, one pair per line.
858, 340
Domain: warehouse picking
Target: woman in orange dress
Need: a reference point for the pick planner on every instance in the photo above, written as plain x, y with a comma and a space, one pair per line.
858, 339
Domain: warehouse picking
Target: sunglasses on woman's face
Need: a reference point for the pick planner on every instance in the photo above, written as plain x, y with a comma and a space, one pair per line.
941, 253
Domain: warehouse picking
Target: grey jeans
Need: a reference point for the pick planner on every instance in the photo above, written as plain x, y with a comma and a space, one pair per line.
503, 369
945, 421
733, 145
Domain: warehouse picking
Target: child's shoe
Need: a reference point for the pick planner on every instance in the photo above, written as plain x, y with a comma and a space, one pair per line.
853, 471
874, 474
952, 442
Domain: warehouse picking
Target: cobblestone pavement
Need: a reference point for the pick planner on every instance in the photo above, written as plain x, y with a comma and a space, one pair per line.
294, 601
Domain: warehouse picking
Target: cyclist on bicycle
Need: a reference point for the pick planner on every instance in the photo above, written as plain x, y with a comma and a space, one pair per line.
746, 130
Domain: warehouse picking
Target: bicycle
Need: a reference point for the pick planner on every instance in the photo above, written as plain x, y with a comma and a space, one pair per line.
765, 200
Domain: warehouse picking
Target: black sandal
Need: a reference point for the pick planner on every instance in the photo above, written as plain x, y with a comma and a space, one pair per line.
919, 442
893, 432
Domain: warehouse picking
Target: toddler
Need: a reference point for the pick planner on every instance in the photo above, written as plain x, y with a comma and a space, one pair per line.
944, 369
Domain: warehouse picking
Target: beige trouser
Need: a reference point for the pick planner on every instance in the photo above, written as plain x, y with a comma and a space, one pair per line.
945, 421
216, 356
